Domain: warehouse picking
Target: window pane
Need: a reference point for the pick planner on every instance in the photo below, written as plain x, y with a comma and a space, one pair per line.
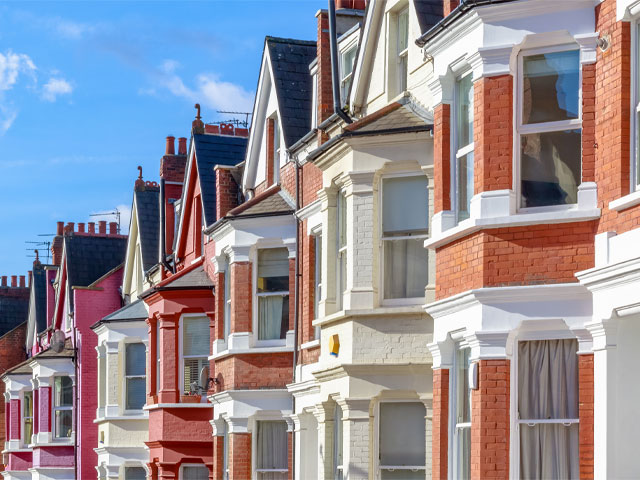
463, 392
348, 58
63, 423
272, 446
549, 451
464, 113
551, 87
551, 168
464, 186
405, 268
403, 30
63, 392
405, 205
136, 393
402, 434
318, 273
135, 473
136, 358
273, 270
195, 336
195, 473
273, 317
192, 367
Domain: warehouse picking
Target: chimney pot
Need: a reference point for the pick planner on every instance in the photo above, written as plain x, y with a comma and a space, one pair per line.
69, 228
22, 284
14, 280
113, 228
81, 228
4, 280
60, 228
102, 226
92, 227
182, 146
171, 146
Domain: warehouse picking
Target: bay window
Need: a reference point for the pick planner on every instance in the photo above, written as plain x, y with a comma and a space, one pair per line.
548, 420
272, 460
338, 467
273, 293
27, 417
463, 137
405, 217
347, 59
402, 441
341, 239
135, 473
461, 415
402, 49
195, 349
194, 472
135, 376
549, 128
62, 407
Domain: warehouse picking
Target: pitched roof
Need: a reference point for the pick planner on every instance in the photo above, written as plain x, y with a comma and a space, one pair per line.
135, 311
14, 307
148, 209
90, 257
290, 60
272, 202
212, 150
429, 12
391, 117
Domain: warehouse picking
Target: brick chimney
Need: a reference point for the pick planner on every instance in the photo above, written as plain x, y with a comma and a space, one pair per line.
69, 228
56, 244
324, 86
197, 126
113, 228
4, 281
226, 191
22, 283
351, 4
92, 227
448, 6
182, 146
14, 281
170, 148
80, 227
30, 275
102, 227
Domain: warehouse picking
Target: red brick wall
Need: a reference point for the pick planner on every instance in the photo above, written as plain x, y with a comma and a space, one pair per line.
493, 133
226, 192
311, 183
325, 88
254, 371
241, 312
490, 421
588, 122
270, 145
218, 457
585, 398
240, 456
532, 255
11, 354
440, 425
441, 157
288, 179
307, 284
449, 5
218, 281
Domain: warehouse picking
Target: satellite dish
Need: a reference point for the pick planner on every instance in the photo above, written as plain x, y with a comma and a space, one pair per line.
57, 341
204, 378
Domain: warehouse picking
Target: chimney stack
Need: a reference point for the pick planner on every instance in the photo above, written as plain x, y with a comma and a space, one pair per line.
171, 146
182, 146
448, 6
60, 228
351, 4
56, 244
22, 284
81, 228
30, 277
92, 227
4, 281
69, 228
14, 280
113, 228
102, 227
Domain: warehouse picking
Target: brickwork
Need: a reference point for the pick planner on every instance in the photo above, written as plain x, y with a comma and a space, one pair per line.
588, 123
442, 157
239, 456
531, 255
490, 421
288, 179
586, 410
241, 295
270, 153
11, 353
440, 425
218, 281
493, 133
448, 6
218, 457
226, 191
307, 286
325, 89
311, 183
253, 371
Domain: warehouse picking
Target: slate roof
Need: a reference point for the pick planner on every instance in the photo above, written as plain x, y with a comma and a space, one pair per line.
195, 278
429, 12
39, 291
212, 150
290, 60
48, 353
148, 208
14, 308
90, 257
135, 311
393, 116
275, 203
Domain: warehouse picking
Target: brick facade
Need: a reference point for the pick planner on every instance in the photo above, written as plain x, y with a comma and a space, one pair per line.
448, 6
440, 425
239, 456
11, 354
442, 157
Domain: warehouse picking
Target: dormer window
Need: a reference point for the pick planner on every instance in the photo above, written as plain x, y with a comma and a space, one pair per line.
402, 49
347, 59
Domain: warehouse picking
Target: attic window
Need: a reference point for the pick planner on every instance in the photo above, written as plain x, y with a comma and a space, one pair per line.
347, 59
402, 44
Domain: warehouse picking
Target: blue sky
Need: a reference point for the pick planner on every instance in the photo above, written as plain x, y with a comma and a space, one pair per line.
89, 90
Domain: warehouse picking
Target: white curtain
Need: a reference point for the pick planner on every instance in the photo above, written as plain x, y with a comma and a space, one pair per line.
548, 389
270, 317
403, 439
273, 449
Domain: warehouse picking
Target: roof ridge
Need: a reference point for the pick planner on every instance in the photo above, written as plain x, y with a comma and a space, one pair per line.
269, 38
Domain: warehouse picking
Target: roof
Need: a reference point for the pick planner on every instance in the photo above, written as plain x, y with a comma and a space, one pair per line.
271, 202
429, 13
39, 291
14, 308
393, 116
90, 257
135, 311
290, 60
212, 150
195, 278
23, 368
148, 209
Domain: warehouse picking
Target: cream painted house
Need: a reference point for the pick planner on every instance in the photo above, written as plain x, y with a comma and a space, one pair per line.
122, 345
371, 385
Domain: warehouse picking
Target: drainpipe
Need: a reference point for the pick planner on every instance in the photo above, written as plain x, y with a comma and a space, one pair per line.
163, 230
296, 315
335, 74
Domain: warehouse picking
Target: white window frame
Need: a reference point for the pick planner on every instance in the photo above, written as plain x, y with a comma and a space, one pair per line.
318, 286
254, 446
545, 127
334, 463
454, 426
402, 56
23, 418
55, 409
514, 436
345, 80
227, 299
279, 342
635, 107
378, 467
341, 251
458, 151
181, 474
182, 357
126, 410
382, 239
277, 147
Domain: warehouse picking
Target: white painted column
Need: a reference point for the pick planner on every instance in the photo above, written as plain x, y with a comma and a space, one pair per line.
357, 443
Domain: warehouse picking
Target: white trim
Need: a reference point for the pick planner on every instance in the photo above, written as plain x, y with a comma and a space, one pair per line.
453, 425
156, 406
628, 201
181, 357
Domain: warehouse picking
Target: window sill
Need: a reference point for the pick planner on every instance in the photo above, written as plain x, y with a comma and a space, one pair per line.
373, 312
497, 209
311, 344
625, 202
257, 350
156, 406
134, 416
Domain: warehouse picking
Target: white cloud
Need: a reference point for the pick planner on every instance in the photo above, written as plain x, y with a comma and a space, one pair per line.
55, 87
125, 217
11, 66
70, 29
7, 117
